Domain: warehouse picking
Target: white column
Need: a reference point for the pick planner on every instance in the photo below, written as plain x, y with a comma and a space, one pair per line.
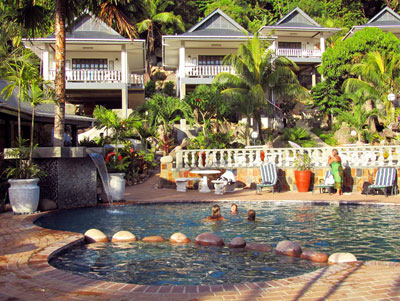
124, 64
124, 106
45, 71
313, 77
322, 43
181, 70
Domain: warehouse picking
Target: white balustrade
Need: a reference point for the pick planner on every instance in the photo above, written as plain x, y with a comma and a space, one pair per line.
352, 156
298, 52
89, 75
206, 70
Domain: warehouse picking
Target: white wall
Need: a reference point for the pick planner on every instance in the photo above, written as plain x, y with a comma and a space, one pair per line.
194, 53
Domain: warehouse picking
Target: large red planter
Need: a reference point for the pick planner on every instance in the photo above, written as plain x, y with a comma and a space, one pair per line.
303, 179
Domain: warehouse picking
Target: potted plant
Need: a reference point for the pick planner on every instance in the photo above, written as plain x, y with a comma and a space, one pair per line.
302, 172
24, 191
116, 167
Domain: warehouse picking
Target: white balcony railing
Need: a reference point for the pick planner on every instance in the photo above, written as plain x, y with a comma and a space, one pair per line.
206, 70
365, 156
298, 52
88, 76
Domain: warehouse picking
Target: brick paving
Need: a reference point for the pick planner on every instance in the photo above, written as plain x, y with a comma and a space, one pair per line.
26, 275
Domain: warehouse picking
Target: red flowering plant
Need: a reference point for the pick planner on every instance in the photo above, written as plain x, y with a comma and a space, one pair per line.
120, 128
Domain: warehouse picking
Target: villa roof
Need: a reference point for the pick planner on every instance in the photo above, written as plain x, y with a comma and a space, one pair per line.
219, 24
297, 22
44, 112
89, 28
387, 20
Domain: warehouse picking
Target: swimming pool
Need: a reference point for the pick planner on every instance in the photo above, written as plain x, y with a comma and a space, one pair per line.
369, 232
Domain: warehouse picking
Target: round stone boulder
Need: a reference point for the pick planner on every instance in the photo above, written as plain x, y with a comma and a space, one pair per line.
124, 236
259, 247
95, 235
179, 238
237, 242
209, 239
288, 248
153, 239
314, 256
341, 258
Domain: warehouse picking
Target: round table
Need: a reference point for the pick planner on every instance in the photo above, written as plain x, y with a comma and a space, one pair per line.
203, 184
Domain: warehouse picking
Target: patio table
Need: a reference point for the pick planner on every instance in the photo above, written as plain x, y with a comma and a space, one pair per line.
203, 184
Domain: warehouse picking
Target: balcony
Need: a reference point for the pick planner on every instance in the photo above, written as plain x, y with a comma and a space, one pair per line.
206, 71
300, 53
97, 76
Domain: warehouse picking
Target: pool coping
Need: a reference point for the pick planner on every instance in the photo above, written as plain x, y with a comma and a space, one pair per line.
321, 283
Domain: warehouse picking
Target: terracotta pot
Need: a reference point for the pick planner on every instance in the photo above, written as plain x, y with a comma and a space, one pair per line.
303, 179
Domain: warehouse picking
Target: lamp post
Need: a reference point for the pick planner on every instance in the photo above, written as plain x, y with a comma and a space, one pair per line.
392, 98
254, 136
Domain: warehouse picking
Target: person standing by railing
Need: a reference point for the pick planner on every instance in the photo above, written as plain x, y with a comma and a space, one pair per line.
335, 163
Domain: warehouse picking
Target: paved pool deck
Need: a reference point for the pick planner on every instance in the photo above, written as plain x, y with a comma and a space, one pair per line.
26, 275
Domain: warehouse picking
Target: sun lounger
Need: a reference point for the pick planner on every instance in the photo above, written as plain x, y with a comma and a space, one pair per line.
386, 178
325, 183
269, 177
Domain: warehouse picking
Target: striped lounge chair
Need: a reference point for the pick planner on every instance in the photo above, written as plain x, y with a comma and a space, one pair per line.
323, 185
386, 178
269, 177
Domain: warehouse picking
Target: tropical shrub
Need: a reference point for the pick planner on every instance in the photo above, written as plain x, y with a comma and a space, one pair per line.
149, 88
298, 135
169, 88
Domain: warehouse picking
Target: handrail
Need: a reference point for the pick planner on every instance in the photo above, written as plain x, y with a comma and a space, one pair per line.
357, 156
92, 75
298, 52
206, 70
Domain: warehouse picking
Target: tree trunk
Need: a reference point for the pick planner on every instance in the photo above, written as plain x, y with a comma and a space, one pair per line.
59, 109
248, 131
32, 131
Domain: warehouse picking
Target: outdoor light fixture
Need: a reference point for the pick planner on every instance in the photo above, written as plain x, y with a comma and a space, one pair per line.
353, 133
254, 136
391, 97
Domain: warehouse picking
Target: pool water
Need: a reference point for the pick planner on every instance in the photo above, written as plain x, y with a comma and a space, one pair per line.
369, 232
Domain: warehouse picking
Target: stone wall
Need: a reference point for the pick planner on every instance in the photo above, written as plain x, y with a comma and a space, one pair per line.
354, 178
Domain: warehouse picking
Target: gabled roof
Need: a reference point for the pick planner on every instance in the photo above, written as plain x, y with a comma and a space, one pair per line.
89, 27
297, 18
385, 17
216, 23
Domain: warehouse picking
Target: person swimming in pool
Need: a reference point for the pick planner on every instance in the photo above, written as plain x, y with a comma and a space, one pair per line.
215, 214
234, 209
251, 215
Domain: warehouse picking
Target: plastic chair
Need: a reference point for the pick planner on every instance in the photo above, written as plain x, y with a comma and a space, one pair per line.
269, 177
386, 177
323, 184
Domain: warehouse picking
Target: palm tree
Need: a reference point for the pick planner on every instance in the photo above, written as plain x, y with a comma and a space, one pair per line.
20, 72
379, 75
258, 73
156, 14
163, 111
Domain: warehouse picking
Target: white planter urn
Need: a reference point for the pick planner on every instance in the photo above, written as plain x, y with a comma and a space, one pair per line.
116, 182
24, 195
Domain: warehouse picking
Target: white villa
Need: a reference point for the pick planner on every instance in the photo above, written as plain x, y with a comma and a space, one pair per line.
197, 54
102, 67
387, 20
301, 39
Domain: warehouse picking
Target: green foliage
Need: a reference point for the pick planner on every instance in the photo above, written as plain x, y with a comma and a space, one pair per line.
298, 135
88, 142
207, 102
302, 161
116, 163
169, 88
338, 61
327, 137
150, 88
24, 168
211, 141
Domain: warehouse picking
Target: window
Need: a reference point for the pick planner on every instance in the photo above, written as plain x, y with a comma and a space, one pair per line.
210, 59
97, 64
289, 45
